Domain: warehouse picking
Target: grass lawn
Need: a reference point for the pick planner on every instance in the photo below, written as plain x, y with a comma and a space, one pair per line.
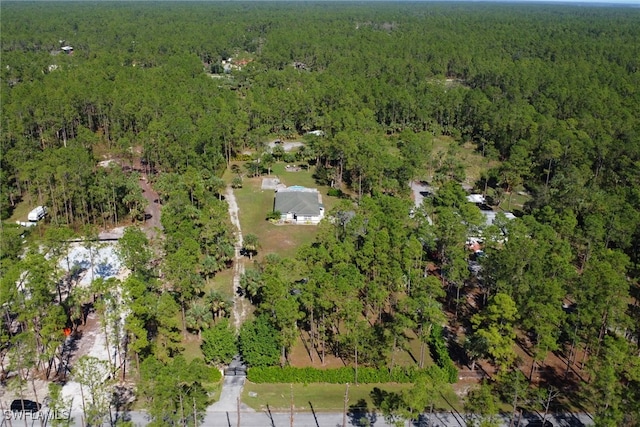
473, 162
21, 211
222, 282
411, 356
191, 347
517, 200
255, 203
326, 397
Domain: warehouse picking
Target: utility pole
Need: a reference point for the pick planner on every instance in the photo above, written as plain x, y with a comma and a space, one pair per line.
195, 413
291, 416
238, 410
344, 413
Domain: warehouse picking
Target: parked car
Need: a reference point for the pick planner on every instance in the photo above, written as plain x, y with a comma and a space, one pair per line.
20, 405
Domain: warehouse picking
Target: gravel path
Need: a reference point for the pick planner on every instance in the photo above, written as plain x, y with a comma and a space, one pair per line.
233, 384
239, 303
152, 225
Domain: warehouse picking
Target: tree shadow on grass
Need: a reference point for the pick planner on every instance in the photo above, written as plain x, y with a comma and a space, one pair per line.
360, 415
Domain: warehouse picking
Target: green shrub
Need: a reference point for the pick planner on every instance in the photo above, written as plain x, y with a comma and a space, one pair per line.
258, 343
440, 354
288, 374
275, 215
335, 192
288, 157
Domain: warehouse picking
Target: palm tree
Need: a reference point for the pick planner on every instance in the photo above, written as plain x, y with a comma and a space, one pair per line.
210, 266
198, 317
218, 303
236, 182
253, 167
267, 162
251, 282
251, 244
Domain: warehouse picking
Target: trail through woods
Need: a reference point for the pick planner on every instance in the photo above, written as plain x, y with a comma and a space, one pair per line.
239, 303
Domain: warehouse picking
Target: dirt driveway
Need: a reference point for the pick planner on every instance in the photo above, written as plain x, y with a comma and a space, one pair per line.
152, 222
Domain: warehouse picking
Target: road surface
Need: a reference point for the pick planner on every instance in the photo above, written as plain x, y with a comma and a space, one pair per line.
310, 419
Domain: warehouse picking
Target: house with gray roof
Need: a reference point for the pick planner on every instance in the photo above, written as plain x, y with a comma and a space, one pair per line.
299, 205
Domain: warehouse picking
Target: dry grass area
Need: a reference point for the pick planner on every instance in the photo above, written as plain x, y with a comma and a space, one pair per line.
255, 204
221, 282
21, 211
302, 355
192, 347
472, 161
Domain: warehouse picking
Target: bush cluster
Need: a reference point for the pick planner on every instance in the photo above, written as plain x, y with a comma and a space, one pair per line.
440, 354
335, 192
289, 374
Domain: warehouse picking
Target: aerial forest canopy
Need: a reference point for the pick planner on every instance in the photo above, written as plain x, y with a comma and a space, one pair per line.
552, 91
549, 94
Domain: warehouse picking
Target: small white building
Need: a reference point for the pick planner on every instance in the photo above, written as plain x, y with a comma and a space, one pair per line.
37, 214
316, 133
477, 199
490, 216
299, 205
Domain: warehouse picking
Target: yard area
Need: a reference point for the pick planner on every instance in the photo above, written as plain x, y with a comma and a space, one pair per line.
301, 354
255, 204
328, 397
467, 155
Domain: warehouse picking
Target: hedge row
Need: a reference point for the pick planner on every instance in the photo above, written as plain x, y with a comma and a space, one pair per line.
288, 374
440, 354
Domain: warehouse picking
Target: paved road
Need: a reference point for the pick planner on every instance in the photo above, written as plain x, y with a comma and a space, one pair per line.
230, 393
306, 419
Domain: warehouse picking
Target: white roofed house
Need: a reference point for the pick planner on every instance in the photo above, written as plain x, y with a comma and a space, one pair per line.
490, 216
299, 205
476, 198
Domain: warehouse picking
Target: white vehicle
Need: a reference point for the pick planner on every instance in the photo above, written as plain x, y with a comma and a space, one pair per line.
37, 214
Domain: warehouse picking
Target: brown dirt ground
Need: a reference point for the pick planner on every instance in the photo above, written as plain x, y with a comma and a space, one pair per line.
301, 356
553, 370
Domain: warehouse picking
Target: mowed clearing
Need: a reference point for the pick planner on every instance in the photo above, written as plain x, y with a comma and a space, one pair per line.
255, 204
324, 397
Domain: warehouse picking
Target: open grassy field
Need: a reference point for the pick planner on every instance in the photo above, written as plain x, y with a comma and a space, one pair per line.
255, 204
328, 397
221, 282
192, 347
21, 211
472, 161
409, 356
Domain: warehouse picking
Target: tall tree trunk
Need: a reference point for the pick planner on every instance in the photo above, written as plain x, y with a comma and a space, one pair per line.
344, 411
356, 371
183, 420
393, 350
84, 407
184, 321
312, 336
533, 368
514, 408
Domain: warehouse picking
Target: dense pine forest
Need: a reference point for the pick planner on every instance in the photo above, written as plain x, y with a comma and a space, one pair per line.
184, 95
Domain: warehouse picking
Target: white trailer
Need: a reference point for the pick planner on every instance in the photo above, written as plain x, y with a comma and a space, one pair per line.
37, 214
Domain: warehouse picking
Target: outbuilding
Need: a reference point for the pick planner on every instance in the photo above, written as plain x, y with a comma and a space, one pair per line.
37, 214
